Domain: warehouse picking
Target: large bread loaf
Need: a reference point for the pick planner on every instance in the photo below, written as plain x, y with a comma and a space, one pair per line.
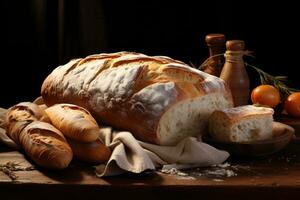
158, 99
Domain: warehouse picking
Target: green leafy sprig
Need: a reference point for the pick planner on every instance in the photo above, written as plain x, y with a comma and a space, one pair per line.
265, 78
277, 81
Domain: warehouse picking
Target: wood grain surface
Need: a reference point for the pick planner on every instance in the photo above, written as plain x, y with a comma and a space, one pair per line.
275, 177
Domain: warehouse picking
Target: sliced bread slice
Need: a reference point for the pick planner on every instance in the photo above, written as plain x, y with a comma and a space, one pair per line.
241, 124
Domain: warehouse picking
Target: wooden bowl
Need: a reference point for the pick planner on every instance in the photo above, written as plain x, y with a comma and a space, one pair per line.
291, 121
282, 135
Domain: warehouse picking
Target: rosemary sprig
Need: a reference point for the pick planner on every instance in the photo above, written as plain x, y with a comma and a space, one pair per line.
277, 81
208, 60
265, 78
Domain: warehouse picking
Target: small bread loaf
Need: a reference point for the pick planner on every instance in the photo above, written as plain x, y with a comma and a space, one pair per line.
94, 152
20, 115
241, 124
46, 145
74, 122
26, 124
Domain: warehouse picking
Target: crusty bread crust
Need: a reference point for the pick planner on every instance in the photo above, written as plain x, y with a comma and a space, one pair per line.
20, 115
241, 124
132, 91
74, 122
29, 126
247, 111
46, 145
94, 152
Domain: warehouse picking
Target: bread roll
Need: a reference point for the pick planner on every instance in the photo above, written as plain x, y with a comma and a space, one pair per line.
241, 124
74, 122
94, 152
26, 124
20, 115
46, 145
158, 99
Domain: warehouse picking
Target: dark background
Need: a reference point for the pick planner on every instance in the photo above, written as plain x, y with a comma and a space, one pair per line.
39, 35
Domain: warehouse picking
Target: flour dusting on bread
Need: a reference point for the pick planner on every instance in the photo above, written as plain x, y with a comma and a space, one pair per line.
158, 99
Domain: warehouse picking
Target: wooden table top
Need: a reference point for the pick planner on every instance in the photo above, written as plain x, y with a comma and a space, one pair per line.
275, 177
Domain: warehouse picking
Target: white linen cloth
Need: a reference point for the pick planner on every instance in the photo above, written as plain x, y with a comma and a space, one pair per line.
130, 154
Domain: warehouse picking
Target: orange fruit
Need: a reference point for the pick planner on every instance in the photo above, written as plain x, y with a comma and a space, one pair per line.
292, 104
266, 95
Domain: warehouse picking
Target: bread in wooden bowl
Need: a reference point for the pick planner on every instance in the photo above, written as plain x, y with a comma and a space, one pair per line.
282, 136
241, 124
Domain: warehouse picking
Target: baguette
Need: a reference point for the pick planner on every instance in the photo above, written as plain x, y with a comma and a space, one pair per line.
28, 126
46, 145
93, 152
241, 124
20, 115
157, 99
74, 122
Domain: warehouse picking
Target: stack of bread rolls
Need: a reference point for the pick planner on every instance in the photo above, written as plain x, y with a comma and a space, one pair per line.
50, 137
81, 131
29, 126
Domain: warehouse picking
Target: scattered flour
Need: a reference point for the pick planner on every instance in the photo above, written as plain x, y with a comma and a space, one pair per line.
216, 172
220, 173
174, 171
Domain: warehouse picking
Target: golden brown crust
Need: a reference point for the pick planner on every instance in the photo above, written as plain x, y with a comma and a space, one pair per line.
74, 122
129, 91
46, 145
93, 152
244, 112
28, 126
20, 115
